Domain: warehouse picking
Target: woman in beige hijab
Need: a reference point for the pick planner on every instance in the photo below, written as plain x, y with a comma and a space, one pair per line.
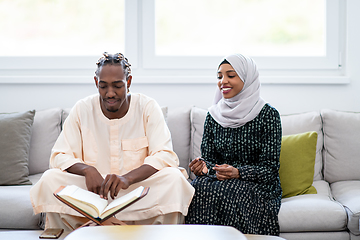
237, 181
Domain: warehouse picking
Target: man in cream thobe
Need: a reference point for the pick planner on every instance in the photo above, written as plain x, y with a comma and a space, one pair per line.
116, 146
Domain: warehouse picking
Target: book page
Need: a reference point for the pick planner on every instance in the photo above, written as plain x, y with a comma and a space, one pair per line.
88, 201
122, 201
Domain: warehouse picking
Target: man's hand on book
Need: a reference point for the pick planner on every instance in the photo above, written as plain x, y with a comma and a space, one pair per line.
92, 176
93, 180
113, 183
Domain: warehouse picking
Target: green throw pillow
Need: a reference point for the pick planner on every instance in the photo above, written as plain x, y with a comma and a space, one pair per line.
15, 134
297, 160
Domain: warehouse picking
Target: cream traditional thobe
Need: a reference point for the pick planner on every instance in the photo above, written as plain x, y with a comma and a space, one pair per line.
117, 146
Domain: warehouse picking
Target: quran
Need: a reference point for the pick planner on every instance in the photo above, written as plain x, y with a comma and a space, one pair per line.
92, 206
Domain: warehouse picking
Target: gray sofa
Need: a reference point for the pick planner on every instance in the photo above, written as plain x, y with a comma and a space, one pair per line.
332, 213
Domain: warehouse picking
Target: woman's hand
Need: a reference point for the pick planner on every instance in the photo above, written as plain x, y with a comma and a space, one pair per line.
198, 167
226, 171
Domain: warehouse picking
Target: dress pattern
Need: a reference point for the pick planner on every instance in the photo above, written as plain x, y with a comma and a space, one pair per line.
252, 202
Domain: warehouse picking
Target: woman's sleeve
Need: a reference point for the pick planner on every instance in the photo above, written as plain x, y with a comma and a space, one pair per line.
267, 167
207, 144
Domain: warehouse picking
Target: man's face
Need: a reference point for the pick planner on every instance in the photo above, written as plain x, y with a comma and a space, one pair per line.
113, 87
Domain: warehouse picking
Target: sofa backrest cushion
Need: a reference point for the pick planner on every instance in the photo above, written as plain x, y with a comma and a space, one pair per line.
198, 116
64, 115
178, 121
45, 130
341, 145
15, 130
306, 122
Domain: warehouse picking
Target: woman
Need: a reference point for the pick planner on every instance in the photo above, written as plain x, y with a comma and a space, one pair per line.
237, 181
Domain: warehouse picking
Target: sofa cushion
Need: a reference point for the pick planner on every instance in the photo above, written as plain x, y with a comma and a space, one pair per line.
343, 235
45, 131
341, 145
198, 116
15, 129
348, 194
16, 209
305, 122
312, 212
64, 115
297, 159
178, 121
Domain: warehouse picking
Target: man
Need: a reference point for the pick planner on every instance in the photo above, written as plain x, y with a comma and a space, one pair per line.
111, 143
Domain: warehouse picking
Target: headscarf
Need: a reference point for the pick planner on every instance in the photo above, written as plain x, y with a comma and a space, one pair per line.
246, 105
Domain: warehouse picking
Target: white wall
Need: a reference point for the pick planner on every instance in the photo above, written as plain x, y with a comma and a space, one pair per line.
287, 98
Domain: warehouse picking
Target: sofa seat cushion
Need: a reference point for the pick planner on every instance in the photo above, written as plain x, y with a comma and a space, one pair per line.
312, 212
16, 209
343, 235
348, 194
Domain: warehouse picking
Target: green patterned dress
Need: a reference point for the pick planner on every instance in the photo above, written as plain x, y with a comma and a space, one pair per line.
252, 202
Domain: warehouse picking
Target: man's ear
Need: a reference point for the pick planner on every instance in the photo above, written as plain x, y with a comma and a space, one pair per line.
96, 82
128, 81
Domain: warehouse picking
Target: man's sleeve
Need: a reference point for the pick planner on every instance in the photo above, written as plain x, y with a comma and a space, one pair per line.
161, 152
67, 149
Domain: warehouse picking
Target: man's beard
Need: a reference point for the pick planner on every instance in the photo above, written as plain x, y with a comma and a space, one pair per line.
112, 110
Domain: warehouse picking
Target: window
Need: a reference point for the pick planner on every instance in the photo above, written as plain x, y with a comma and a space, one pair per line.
278, 34
171, 38
60, 29
256, 28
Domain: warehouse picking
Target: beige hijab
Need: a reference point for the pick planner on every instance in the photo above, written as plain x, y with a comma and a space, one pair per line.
246, 105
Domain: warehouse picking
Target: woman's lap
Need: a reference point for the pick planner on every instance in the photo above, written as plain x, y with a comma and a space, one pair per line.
233, 203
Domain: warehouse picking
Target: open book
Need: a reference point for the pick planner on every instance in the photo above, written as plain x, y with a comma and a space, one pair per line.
92, 205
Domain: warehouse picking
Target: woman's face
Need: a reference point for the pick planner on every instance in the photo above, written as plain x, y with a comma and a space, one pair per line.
229, 82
